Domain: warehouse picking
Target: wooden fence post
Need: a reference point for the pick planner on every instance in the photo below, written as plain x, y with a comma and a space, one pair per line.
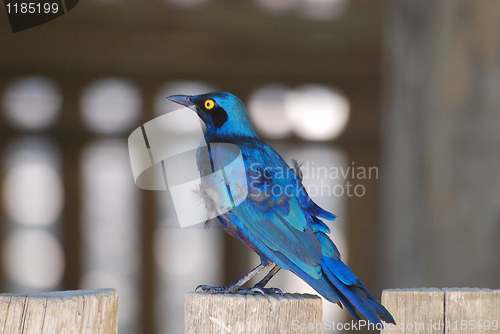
79, 311
447, 310
257, 314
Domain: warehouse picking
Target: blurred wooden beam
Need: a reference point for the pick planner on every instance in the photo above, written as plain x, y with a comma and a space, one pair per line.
221, 37
180, 52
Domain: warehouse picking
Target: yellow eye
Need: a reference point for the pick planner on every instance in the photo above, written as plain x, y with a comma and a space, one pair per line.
209, 104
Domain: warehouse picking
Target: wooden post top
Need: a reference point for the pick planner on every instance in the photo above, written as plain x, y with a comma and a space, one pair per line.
61, 294
78, 311
260, 314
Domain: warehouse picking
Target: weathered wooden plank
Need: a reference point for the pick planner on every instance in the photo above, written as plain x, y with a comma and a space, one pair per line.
472, 310
258, 314
415, 310
447, 310
80, 311
12, 310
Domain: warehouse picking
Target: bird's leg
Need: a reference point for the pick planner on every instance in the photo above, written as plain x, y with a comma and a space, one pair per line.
236, 286
268, 277
260, 286
255, 271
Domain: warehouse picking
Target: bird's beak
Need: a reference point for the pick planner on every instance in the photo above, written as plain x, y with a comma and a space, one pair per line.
184, 100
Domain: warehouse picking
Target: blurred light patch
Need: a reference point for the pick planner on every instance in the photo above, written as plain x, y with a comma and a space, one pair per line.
186, 3
310, 9
163, 106
33, 194
110, 226
32, 103
267, 111
32, 191
322, 9
277, 6
317, 112
111, 106
183, 253
33, 258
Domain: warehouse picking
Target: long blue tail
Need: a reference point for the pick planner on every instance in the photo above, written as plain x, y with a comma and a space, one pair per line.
352, 293
348, 288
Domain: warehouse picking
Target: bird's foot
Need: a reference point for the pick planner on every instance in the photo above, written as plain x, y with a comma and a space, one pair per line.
243, 291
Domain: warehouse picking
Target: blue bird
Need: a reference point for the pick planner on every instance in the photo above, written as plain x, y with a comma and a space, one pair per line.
283, 227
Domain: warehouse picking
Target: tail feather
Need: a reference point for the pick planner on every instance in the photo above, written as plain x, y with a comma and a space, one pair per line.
352, 293
342, 271
343, 299
355, 296
381, 311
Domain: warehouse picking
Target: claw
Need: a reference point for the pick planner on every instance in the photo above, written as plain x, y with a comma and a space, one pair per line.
264, 291
270, 291
275, 290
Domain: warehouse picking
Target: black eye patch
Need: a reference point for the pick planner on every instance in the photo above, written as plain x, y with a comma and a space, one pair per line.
219, 116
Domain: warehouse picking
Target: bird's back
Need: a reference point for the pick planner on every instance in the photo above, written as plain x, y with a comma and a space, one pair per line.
277, 217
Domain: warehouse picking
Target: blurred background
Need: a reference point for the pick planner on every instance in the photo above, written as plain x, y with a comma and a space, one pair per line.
392, 107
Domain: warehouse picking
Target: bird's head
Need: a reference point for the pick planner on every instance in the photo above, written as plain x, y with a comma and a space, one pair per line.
223, 113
